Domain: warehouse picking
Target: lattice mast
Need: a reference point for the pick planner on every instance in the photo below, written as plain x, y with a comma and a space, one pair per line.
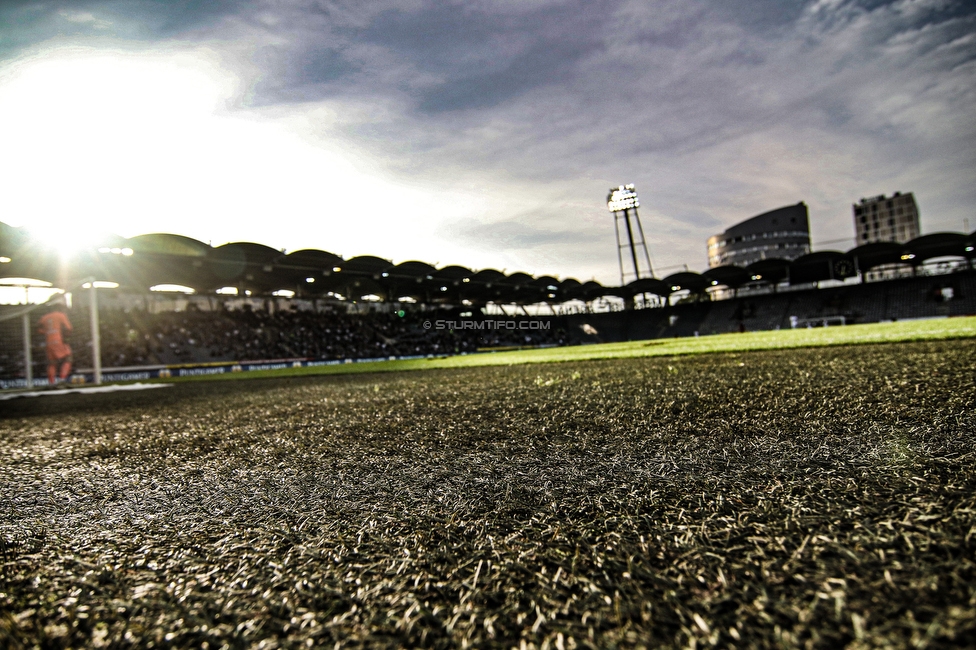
623, 203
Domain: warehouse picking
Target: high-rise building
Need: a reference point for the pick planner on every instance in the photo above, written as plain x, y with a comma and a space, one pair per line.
783, 233
881, 218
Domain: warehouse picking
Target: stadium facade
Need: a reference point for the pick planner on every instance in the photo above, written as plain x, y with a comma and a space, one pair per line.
884, 219
783, 233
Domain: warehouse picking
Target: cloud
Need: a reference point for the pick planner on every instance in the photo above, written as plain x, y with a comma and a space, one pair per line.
512, 234
85, 17
717, 111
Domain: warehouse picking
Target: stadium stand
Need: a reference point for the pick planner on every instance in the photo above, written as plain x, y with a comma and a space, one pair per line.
136, 337
309, 304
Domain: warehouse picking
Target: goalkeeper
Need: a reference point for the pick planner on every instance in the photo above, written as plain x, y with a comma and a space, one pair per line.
54, 325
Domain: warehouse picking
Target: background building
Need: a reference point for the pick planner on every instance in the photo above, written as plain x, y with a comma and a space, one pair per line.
883, 219
783, 233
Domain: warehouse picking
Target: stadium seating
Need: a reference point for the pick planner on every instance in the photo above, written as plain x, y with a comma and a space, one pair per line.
134, 337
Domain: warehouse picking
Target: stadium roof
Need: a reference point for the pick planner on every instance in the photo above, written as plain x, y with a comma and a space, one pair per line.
730, 276
822, 265
145, 261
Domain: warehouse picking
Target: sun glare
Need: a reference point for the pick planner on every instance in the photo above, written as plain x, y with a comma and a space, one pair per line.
135, 142
24, 291
65, 237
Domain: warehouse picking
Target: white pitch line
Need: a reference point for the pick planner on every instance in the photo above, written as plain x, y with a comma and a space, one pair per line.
112, 388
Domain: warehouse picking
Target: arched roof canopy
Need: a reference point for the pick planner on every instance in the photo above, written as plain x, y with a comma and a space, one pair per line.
592, 290
938, 244
569, 289
413, 270
454, 274
455, 279
649, 285
366, 265
623, 292
298, 267
310, 260
768, 271
168, 244
484, 285
110, 259
30, 260
546, 283
546, 288
349, 279
517, 288
12, 239
730, 276
255, 253
247, 265
869, 256
820, 266
518, 280
685, 280
26, 263
164, 258
414, 279
487, 276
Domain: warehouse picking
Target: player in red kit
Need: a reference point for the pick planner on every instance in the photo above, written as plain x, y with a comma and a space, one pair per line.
53, 325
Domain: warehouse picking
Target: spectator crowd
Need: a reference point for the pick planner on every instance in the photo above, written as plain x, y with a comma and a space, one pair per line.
139, 338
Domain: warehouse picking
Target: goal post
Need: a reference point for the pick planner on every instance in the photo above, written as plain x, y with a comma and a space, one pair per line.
22, 361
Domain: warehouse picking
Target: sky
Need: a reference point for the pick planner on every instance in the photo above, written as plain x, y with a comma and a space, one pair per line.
481, 133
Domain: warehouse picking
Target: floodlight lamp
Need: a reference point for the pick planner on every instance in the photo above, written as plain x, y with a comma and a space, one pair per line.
385, 274
127, 252
714, 282
7, 260
757, 277
443, 288
969, 249
104, 249
310, 280
909, 256
622, 198
466, 280
172, 288
675, 288
336, 269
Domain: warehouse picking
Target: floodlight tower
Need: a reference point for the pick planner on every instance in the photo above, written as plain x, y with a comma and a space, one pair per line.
622, 202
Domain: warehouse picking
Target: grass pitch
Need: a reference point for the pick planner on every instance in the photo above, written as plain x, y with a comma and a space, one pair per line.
815, 497
904, 331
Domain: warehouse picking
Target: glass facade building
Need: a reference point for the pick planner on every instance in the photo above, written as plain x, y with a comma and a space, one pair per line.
783, 233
